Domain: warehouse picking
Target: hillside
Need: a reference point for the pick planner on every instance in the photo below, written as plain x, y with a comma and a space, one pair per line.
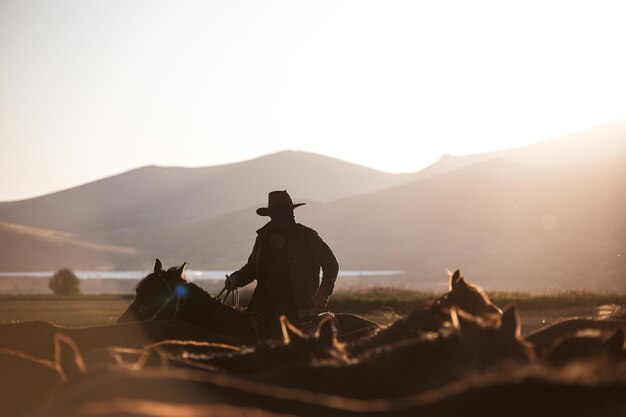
220, 242
25, 248
511, 224
587, 146
550, 215
120, 209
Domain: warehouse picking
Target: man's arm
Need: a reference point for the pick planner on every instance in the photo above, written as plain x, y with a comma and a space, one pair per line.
247, 273
326, 258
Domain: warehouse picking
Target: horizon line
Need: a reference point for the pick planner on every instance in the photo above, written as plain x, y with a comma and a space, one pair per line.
265, 155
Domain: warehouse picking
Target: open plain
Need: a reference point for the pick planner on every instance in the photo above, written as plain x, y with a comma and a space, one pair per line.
378, 304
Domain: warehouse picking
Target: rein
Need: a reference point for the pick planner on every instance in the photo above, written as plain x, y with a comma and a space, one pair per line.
222, 300
234, 293
222, 297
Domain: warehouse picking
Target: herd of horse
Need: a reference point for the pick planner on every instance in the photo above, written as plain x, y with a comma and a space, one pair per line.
178, 351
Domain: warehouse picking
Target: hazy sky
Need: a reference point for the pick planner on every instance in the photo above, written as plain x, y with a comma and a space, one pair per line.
93, 88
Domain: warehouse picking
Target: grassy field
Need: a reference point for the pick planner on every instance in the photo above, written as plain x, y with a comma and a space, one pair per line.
380, 305
84, 310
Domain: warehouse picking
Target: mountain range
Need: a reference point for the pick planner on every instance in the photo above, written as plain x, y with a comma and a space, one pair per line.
548, 215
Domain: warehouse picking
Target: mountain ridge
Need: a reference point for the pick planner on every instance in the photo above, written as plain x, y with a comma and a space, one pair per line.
503, 216
134, 201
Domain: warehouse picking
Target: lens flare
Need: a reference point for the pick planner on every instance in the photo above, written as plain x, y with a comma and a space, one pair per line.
181, 291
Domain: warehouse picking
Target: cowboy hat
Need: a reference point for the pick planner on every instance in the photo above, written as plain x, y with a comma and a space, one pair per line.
276, 201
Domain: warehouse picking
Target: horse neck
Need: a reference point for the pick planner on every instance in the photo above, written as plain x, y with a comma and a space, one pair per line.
427, 317
205, 311
195, 309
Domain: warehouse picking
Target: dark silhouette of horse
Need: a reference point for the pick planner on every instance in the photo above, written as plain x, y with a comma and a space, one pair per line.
167, 295
521, 391
416, 364
25, 382
469, 298
143, 394
456, 355
544, 338
587, 345
431, 316
37, 337
296, 348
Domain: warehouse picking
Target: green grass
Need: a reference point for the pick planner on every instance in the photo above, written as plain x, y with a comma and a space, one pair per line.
403, 301
80, 310
360, 302
382, 304
558, 300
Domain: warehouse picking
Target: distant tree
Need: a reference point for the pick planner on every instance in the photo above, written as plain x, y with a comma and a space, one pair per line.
64, 282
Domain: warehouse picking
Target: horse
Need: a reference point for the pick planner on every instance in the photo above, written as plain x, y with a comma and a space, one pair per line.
167, 295
416, 364
156, 392
469, 297
521, 394
432, 315
37, 337
527, 391
295, 349
537, 396
544, 338
585, 345
26, 382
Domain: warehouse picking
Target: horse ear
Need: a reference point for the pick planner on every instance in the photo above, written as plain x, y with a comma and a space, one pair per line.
614, 345
157, 265
327, 331
511, 324
454, 279
290, 332
181, 269
68, 360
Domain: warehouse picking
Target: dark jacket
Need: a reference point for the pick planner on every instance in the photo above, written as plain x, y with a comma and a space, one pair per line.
307, 253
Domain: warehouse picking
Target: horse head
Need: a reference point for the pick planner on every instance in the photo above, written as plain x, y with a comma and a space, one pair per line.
321, 346
469, 297
158, 295
491, 342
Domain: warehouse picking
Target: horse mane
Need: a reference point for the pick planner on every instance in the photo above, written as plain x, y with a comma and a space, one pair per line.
169, 273
173, 277
154, 274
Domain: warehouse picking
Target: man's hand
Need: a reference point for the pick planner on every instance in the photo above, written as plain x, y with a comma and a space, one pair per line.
232, 281
320, 301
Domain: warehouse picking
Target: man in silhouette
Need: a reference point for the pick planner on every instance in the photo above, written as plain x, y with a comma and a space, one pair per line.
286, 261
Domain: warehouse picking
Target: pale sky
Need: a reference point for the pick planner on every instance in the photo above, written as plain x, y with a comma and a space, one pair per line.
93, 88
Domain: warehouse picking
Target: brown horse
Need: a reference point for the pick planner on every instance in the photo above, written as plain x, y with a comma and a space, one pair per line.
431, 316
587, 345
37, 337
544, 338
469, 298
26, 382
296, 349
519, 391
167, 295
416, 364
